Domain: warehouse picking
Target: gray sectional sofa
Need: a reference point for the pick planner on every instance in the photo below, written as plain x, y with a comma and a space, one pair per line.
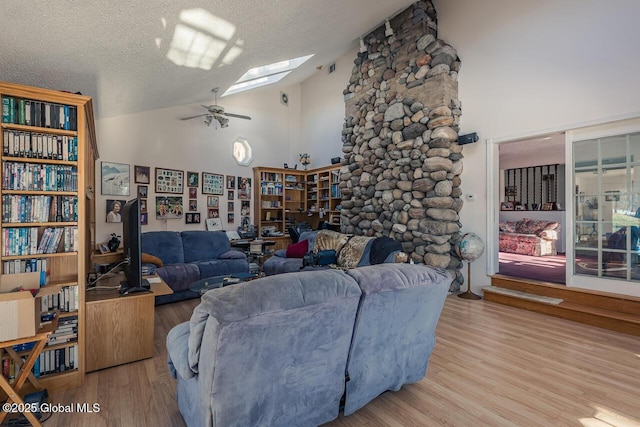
351, 251
284, 350
188, 256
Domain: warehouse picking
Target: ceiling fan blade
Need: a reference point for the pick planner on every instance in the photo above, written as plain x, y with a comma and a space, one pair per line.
193, 117
238, 116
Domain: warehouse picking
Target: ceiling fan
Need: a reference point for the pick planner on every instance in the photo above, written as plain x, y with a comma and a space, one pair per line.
216, 112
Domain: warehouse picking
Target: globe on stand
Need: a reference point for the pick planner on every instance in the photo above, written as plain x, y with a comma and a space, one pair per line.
470, 247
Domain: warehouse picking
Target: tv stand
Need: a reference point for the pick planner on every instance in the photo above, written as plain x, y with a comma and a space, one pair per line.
120, 329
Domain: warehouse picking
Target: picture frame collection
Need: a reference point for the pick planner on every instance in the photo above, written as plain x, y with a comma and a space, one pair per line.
169, 186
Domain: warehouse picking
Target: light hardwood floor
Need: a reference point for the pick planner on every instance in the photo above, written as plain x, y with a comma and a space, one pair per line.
493, 365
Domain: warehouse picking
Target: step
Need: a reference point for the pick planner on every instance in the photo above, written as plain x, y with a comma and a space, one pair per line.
597, 299
606, 318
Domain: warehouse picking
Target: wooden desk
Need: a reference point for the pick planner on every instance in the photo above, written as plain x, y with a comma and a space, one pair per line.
24, 369
119, 328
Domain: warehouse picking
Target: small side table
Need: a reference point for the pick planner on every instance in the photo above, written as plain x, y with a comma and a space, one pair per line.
24, 369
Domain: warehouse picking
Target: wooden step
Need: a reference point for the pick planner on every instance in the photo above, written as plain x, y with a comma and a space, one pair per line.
580, 305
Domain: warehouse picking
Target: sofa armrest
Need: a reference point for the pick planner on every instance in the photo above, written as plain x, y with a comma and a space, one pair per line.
282, 253
232, 254
548, 234
178, 351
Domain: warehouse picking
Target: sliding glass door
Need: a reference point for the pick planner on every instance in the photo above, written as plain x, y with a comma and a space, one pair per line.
606, 207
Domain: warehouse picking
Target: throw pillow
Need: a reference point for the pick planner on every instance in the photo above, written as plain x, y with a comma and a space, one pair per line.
148, 258
297, 250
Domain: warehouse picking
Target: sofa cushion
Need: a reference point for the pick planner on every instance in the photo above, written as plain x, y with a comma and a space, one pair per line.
507, 226
166, 245
219, 267
534, 226
394, 330
179, 276
297, 250
203, 245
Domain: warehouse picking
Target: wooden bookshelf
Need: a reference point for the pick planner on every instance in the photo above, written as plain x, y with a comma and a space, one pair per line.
286, 197
59, 139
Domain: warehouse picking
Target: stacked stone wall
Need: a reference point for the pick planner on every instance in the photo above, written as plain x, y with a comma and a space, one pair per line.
401, 168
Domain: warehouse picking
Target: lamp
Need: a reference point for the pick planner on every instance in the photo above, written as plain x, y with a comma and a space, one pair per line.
388, 31
363, 48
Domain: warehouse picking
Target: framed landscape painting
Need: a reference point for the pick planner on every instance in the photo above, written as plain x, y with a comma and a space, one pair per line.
115, 179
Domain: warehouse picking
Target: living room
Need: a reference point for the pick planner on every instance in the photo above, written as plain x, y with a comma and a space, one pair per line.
527, 70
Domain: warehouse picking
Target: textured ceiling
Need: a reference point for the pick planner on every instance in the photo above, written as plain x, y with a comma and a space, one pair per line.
116, 52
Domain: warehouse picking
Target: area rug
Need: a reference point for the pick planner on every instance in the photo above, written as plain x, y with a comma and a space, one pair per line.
543, 268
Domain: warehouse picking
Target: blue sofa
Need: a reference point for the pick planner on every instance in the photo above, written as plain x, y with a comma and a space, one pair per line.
188, 256
384, 250
284, 350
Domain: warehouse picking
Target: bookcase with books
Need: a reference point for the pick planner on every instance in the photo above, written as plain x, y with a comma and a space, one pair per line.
287, 197
48, 159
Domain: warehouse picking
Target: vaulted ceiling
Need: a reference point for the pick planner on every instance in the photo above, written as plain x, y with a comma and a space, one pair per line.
141, 55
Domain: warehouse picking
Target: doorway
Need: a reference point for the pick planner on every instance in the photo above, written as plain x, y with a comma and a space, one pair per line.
532, 219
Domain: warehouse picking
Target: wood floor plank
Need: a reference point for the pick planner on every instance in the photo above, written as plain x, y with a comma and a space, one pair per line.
493, 365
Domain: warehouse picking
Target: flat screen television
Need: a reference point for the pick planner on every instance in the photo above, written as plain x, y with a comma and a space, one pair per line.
131, 230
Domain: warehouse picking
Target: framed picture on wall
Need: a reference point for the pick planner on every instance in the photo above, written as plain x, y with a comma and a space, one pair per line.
192, 179
141, 174
231, 182
213, 224
115, 179
244, 188
169, 207
212, 183
169, 181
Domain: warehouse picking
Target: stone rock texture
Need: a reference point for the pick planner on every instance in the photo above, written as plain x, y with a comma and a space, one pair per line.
401, 163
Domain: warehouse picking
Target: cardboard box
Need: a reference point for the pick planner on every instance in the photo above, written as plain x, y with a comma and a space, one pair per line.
19, 311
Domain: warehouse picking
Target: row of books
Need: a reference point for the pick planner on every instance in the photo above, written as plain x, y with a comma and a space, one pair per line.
67, 331
39, 145
24, 240
335, 191
271, 188
36, 113
65, 301
271, 204
17, 266
49, 362
270, 176
18, 208
39, 177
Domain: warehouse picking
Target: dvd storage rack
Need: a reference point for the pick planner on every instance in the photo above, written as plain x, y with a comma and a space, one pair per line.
48, 160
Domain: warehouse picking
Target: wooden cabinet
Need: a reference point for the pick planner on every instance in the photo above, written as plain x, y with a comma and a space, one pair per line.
121, 326
48, 158
286, 197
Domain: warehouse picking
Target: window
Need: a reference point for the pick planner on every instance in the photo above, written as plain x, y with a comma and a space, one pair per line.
606, 172
242, 152
266, 74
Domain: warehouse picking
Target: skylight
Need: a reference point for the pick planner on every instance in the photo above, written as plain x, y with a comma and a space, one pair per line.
265, 74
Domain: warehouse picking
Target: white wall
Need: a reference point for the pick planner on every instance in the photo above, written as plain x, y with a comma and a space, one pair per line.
530, 67
323, 111
160, 139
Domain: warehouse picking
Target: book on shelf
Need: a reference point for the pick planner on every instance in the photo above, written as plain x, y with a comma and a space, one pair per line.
24, 176
17, 266
66, 300
36, 113
58, 360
